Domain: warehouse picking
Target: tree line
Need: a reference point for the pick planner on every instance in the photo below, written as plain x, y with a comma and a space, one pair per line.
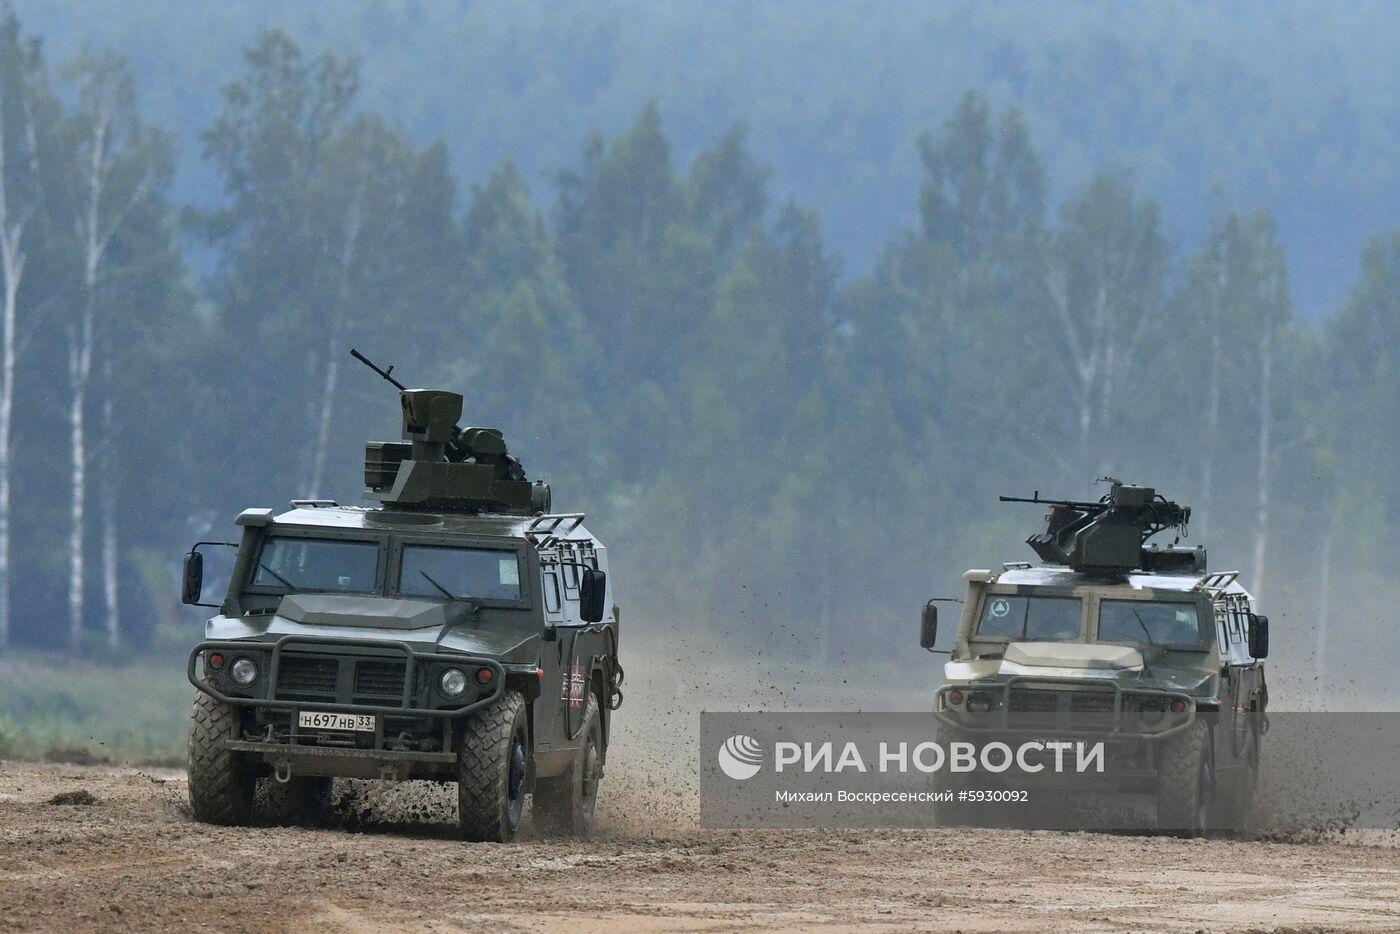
778, 454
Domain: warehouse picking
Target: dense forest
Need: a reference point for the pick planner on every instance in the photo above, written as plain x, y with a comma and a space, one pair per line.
781, 450
1282, 104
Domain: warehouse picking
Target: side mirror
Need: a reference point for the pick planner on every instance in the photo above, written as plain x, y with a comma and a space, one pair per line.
1259, 636
592, 595
928, 626
192, 587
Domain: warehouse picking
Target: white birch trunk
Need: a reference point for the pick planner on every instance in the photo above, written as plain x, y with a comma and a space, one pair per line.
79, 366
1264, 452
333, 346
111, 554
1213, 400
80, 374
12, 266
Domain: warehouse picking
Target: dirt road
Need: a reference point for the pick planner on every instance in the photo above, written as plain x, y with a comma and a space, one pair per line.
133, 859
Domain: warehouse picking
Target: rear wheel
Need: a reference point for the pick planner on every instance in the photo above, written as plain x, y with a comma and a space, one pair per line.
491, 766
567, 804
1186, 781
221, 786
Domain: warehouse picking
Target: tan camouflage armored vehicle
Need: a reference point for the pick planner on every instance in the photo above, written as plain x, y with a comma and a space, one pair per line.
1113, 639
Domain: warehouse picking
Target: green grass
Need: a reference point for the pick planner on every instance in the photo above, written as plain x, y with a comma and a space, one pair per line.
132, 712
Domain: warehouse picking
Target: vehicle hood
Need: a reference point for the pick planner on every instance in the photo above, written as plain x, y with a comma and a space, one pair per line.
426, 625
1072, 655
1072, 661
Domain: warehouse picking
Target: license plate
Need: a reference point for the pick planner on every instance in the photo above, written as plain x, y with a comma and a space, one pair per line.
315, 720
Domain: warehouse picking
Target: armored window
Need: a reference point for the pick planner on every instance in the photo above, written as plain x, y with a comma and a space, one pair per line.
1153, 623
551, 592
570, 570
469, 573
317, 564
1045, 619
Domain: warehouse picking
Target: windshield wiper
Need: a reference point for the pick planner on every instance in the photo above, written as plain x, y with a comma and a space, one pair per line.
289, 585
472, 606
445, 592
1146, 667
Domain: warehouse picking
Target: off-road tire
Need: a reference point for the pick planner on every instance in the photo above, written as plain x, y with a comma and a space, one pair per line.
1185, 781
492, 759
566, 805
952, 813
1239, 817
221, 787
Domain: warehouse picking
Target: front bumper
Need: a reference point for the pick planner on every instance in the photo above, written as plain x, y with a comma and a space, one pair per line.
286, 760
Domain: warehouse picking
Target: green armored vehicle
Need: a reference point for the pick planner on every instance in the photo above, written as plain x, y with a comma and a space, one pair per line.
1116, 640
457, 631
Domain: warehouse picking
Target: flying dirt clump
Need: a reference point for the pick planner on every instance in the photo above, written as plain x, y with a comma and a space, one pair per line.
81, 797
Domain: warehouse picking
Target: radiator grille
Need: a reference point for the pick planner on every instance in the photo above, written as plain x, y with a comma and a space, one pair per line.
379, 678
306, 676
1034, 701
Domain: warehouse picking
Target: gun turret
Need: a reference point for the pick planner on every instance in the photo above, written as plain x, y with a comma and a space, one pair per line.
440, 465
1109, 537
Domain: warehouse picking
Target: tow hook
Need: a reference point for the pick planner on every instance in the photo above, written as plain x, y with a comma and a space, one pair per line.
282, 771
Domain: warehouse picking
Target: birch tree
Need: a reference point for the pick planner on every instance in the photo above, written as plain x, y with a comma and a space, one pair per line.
1268, 281
23, 101
1102, 272
110, 182
1237, 299
335, 226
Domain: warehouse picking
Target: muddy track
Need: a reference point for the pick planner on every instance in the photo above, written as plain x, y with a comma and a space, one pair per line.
135, 860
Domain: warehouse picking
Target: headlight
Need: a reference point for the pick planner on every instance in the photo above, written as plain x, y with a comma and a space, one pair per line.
1152, 710
244, 672
979, 703
453, 682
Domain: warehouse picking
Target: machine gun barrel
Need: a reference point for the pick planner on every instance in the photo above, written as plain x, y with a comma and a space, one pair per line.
1062, 503
386, 374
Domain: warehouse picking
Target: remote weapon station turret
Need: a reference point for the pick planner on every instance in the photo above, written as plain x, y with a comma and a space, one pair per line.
1117, 639
457, 631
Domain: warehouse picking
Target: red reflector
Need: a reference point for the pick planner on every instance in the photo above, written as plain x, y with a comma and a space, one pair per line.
955, 697
216, 661
484, 675
1178, 706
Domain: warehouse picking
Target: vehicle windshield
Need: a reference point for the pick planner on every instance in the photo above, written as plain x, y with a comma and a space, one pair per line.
317, 564
465, 573
1031, 619
1155, 623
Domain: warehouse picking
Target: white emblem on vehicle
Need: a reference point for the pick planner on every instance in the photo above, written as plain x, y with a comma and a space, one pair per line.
1000, 608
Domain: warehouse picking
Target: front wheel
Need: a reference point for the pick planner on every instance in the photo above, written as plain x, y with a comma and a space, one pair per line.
566, 805
1186, 781
221, 786
491, 766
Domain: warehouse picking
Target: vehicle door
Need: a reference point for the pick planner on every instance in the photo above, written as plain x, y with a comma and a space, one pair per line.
569, 658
